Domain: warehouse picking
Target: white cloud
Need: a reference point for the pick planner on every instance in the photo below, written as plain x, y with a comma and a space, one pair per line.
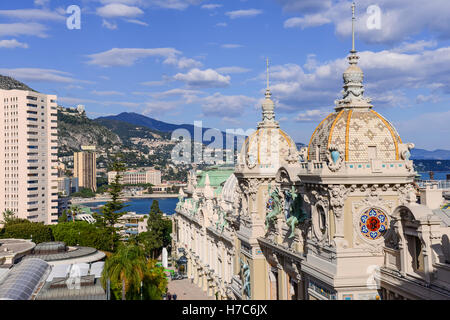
306, 21
226, 106
139, 22
42, 3
315, 115
183, 63
107, 93
185, 93
417, 46
211, 6
40, 75
173, 4
128, 56
398, 21
231, 46
13, 43
18, 29
115, 10
208, 78
32, 14
221, 24
388, 76
243, 13
231, 70
109, 25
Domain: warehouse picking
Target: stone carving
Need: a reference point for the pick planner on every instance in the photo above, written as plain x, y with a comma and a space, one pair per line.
405, 150
407, 194
296, 214
293, 156
335, 158
338, 195
304, 154
273, 205
245, 277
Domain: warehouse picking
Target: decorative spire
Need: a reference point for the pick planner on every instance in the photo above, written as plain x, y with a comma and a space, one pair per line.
268, 106
353, 78
353, 27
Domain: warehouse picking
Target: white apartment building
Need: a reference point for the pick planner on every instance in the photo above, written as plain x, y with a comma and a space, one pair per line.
140, 176
28, 152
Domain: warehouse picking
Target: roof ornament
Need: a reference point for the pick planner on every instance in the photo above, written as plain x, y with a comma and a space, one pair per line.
353, 94
268, 105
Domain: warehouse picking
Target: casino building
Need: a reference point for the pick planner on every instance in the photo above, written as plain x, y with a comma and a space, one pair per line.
337, 220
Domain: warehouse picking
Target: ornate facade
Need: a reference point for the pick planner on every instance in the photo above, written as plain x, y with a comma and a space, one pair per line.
336, 220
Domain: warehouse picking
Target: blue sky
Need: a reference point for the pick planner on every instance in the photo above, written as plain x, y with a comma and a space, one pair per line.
185, 60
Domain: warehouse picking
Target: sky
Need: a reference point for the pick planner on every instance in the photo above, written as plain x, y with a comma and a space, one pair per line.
182, 61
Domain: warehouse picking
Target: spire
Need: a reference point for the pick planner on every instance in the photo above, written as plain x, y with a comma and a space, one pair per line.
353, 27
353, 78
268, 106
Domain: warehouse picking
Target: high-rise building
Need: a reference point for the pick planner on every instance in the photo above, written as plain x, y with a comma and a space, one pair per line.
28, 152
85, 167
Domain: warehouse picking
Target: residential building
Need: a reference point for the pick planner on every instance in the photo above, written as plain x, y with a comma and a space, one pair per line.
138, 176
28, 157
67, 185
85, 167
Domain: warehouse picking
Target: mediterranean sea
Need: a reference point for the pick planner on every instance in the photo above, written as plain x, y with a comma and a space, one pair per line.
140, 205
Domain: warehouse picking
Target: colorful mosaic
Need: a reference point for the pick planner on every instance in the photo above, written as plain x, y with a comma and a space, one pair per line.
373, 223
354, 133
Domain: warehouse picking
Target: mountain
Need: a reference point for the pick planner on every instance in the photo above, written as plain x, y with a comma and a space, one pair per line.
421, 154
153, 124
76, 130
150, 123
8, 83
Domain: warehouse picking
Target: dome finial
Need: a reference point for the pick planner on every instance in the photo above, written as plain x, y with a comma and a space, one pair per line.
268, 105
353, 27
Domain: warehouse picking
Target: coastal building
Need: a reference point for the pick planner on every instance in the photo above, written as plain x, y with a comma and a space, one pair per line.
138, 176
28, 157
85, 167
339, 219
132, 224
67, 185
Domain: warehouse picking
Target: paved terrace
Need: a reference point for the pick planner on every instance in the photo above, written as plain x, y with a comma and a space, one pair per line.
185, 290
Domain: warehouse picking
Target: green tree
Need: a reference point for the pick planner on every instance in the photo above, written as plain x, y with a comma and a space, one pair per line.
127, 269
38, 232
158, 232
83, 234
63, 217
84, 193
111, 212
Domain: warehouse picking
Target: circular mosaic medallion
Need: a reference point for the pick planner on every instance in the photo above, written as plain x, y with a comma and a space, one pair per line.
373, 223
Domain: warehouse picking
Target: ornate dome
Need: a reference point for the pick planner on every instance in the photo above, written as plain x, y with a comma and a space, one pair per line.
356, 131
269, 147
352, 132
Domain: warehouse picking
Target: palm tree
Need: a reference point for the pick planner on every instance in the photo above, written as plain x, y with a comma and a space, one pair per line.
126, 267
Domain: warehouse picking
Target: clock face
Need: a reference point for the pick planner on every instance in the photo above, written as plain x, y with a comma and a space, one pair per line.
373, 223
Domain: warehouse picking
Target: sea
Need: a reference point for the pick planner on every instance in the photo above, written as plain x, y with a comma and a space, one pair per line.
438, 175
140, 205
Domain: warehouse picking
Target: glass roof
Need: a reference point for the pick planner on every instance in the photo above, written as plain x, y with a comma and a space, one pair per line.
23, 279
